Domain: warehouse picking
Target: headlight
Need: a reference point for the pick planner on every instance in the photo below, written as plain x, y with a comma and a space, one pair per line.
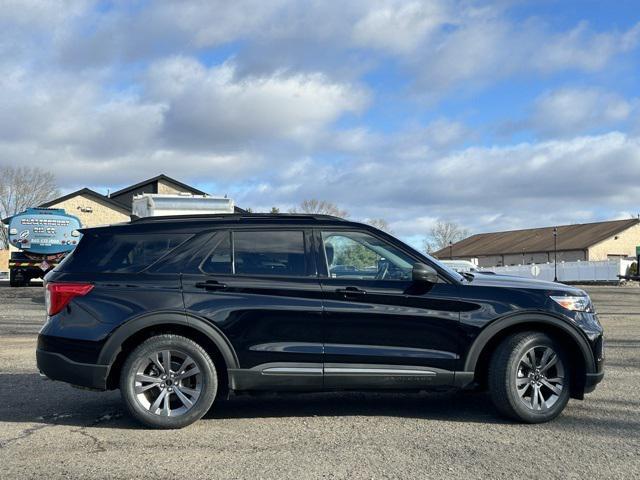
575, 304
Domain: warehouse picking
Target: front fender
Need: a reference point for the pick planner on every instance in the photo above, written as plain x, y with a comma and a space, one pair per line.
498, 326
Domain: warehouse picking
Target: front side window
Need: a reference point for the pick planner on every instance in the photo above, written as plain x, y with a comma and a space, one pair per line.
269, 253
362, 256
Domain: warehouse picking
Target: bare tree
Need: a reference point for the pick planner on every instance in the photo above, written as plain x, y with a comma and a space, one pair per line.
21, 188
443, 234
379, 223
321, 207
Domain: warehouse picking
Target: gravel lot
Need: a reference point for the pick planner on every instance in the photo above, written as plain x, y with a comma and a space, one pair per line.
51, 429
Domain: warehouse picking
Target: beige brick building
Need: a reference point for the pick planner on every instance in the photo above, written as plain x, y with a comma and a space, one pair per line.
586, 241
94, 209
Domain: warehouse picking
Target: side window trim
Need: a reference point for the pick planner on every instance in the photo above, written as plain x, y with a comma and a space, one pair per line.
167, 254
232, 239
216, 243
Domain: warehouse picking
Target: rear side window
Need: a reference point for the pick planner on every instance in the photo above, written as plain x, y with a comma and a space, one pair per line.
121, 253
269, 253
219, 260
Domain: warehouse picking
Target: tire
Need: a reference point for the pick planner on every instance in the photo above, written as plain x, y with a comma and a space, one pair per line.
529, 377
170, 400
16, 280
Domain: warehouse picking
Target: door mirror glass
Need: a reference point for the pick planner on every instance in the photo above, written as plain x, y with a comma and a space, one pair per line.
424, 273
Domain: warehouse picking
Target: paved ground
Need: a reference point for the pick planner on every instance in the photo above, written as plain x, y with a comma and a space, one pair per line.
50, 429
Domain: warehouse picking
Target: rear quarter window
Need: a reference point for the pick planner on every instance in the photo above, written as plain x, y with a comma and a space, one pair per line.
120, 252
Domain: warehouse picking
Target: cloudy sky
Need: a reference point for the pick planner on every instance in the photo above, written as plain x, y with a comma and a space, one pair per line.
494, 115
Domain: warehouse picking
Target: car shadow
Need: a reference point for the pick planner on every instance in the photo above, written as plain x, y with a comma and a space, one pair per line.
454, 406
30, 398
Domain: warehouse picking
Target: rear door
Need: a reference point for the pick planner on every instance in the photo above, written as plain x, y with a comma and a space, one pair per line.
381, 329
260, 288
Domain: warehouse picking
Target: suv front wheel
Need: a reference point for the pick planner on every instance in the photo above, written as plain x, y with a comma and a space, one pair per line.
168, 381
529, 377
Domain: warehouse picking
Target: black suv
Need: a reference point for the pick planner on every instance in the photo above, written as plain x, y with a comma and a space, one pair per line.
179, 311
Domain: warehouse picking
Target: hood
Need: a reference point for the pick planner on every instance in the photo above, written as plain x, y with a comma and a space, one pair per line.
509, 281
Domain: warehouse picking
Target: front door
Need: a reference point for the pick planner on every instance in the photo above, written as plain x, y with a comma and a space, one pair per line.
382, 330
260, 288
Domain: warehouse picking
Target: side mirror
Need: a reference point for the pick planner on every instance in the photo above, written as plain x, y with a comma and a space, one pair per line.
422, 273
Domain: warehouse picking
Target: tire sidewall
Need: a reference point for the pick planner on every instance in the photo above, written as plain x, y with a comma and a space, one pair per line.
531, 416
168, 342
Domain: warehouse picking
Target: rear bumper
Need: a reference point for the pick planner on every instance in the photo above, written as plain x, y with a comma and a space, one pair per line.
58, 367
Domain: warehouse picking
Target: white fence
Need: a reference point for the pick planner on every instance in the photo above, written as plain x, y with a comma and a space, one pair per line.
602, 271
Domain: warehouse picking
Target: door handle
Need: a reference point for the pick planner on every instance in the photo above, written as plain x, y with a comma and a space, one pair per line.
351, 291
211, 285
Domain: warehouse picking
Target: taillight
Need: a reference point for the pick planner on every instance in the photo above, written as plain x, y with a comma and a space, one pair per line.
58, 295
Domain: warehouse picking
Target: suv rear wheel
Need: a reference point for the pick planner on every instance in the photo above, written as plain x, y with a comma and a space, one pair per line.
168, 381
529, 377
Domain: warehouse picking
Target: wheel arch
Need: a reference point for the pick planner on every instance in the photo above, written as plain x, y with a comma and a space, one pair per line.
133, 332
479, 355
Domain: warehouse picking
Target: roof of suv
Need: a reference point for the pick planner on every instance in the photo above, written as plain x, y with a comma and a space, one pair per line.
299, 217
197, 222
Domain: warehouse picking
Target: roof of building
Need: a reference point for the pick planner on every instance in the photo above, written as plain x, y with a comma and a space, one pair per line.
535, 240
121, 206
87, 192
155, 179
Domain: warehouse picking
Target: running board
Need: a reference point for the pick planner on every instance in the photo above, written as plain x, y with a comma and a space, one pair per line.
316, 376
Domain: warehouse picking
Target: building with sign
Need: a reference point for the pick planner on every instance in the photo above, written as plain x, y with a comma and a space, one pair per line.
94, 209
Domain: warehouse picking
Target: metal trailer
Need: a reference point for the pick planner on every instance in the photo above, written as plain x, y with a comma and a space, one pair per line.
157, 205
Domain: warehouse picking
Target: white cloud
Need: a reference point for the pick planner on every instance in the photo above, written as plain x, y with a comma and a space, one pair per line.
125, 33
277, 106
184, 118
61, 111
400, 27
480, 187
578, 110
486, 48
580, 48
210, 106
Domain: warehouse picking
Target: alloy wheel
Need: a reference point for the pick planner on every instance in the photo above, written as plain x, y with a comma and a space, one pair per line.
168, 383
540, 378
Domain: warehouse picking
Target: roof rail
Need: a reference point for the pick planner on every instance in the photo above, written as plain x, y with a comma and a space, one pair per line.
235, 216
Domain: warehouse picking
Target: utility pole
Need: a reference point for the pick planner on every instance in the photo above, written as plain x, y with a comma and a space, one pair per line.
555, 254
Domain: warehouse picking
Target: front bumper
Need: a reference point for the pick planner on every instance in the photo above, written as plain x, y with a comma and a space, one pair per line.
58, 367
591, 380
